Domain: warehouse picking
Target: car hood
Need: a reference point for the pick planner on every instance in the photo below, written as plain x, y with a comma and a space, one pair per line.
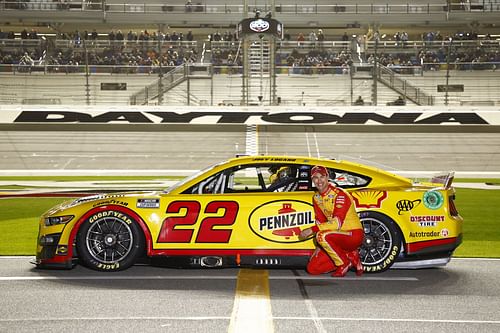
110, 198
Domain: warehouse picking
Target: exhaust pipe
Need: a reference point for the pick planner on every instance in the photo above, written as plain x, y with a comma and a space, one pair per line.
211, 262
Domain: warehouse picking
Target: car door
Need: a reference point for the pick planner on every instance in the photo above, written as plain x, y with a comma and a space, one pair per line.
237, 210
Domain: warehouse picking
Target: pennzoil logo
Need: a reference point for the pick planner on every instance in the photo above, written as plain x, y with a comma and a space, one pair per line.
281, 221
368, 198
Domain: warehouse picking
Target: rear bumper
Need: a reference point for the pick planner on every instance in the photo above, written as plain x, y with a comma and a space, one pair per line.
427, 254
418, 263
444, 245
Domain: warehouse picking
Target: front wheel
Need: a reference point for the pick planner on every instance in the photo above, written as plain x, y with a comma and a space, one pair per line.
382, 242
109, 241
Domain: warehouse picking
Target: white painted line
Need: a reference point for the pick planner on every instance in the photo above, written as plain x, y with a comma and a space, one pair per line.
176, 172
198, 277
308, 145
92, 172
110, 277
407, 320
314, 316
45, 319
345, 278
318, 155
306, 276
475, 259
191, 318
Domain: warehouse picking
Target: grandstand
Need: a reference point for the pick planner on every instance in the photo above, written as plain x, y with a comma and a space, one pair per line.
189, 53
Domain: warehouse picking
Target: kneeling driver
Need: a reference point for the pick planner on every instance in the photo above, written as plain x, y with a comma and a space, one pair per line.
338, 230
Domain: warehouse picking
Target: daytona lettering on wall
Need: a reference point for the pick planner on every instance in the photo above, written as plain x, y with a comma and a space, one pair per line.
243, 117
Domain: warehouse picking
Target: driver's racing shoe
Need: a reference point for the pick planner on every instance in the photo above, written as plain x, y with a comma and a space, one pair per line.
356, 262
341, 271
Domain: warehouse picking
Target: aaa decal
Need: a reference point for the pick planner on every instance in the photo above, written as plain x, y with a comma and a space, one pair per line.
368, 199
281, 221
407, 205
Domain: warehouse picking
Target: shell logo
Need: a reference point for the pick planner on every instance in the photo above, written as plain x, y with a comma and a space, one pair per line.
368, 198
281, 221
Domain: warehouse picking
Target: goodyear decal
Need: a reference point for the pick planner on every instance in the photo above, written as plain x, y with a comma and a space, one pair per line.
109, 213
369, 198
110, 202
281, 221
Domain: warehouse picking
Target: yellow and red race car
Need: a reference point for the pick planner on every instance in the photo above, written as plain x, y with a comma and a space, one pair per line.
248, 212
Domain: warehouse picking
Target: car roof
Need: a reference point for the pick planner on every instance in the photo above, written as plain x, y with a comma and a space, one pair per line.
380, 179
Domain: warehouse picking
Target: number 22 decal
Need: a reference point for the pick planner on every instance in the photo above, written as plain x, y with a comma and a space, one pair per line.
206, 232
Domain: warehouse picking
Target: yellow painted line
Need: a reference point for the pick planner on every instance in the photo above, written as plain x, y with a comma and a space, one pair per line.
252, 303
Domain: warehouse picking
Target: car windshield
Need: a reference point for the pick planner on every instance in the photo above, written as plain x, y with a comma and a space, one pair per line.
188, 179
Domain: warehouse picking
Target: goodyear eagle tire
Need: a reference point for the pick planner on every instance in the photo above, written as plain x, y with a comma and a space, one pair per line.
109, 241
382, 242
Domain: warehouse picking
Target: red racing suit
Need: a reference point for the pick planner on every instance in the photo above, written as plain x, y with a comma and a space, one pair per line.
338, 230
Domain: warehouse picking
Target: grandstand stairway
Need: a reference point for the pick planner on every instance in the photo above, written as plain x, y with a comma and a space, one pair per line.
170, 80
392, 80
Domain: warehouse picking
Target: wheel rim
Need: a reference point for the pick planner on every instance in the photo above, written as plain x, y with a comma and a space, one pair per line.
109, 240
377, 243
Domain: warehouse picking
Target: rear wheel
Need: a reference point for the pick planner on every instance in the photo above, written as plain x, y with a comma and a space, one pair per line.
382, 242
109, 241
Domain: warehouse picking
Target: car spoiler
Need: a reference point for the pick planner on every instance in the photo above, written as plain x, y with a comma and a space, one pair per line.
444, 179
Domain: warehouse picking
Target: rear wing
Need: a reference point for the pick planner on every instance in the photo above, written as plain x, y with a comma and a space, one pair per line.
445, 179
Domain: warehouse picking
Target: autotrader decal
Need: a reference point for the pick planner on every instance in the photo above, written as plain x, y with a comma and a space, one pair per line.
424, 234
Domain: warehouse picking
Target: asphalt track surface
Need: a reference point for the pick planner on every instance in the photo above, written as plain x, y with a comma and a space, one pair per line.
464, 296
195, 147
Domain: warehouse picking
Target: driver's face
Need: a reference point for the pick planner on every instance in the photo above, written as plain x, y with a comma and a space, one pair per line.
320, 181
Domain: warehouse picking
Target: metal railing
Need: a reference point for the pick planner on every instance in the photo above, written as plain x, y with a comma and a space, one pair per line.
408, 46
115, 44
170, 80
403, 86
332, 84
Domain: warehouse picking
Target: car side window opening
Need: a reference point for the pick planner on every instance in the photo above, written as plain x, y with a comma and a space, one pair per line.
271, 178
246, 179
347, 179
276, 177
211, 185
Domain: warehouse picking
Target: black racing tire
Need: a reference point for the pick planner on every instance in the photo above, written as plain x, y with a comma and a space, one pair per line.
109, 241
382, 242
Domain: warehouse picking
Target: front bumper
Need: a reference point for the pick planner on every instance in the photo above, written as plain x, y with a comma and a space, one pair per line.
52, 255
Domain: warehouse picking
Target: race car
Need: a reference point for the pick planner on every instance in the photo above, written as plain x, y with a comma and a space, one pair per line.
248, 212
